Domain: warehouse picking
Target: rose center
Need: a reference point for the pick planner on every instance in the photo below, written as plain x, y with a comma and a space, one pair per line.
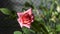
26, 18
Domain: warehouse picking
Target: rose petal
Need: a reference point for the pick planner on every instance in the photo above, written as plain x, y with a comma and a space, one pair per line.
20, 22
26, 25
19, 14
29, 11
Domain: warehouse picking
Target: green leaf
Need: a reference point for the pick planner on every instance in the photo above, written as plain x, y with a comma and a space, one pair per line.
27, 31
5, 11
52, 6
17, 32
58, 27
48, 28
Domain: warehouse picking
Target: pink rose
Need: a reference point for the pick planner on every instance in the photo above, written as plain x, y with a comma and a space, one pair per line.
25, 18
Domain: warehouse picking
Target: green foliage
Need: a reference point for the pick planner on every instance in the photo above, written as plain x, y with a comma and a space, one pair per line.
17, 32
27, 31
5, 11
58, 27
27, 4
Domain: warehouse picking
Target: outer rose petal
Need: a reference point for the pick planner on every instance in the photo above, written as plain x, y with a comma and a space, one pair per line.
20, 22
19, 14
27, 25
29, 11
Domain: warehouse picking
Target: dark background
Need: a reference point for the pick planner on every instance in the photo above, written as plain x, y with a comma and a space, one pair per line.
7, 26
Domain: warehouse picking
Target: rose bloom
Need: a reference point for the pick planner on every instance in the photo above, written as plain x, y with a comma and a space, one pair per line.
25, 18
